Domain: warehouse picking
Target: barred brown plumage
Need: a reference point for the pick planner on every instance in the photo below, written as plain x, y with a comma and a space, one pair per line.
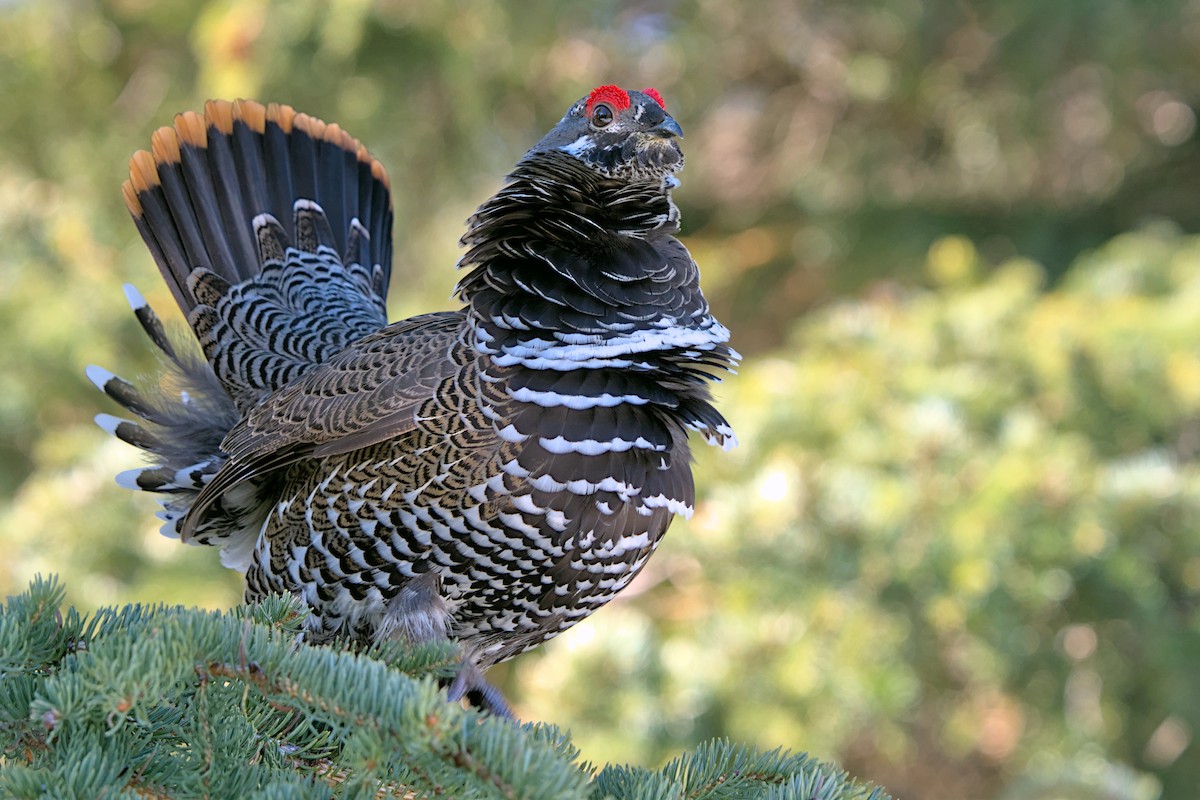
493, 474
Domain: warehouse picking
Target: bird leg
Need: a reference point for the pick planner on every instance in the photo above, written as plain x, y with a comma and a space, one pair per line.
419, 614
470, 683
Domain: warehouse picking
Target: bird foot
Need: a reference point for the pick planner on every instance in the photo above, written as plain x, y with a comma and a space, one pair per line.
471, 684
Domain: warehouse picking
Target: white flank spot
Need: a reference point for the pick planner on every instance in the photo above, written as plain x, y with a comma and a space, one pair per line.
514, 469
523, 502
546, 484
329, 479
496, 483
509, 433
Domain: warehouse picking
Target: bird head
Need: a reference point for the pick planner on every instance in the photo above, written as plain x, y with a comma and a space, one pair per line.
619, 134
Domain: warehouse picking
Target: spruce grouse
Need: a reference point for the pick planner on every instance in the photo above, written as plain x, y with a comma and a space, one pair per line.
493, 474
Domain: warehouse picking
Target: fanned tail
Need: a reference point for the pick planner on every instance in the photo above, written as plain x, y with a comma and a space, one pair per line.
259, 214
273, 231
195, 194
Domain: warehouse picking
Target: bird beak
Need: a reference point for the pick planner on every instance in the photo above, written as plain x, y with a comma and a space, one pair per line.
668, 129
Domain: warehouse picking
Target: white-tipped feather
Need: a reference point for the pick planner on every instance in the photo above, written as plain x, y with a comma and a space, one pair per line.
99, 376
136, 301
128, 479
263, 219
108, 423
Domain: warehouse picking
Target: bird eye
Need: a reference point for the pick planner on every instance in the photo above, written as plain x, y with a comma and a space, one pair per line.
602, 115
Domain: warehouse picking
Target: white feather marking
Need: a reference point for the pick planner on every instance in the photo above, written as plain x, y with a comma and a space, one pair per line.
523, 502
670, 503
545, 483
542, 354
561, 365
238, 552
108, 423
577, 402
128, 479
99, 376
263, 219
515, 469
136, 301
517, 523
627, 543
592, 447
509, 433
578, 146
722, 437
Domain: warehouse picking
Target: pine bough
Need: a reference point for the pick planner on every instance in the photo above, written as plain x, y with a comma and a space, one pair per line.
161, 702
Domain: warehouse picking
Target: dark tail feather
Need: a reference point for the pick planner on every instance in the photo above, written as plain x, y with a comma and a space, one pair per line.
246, 210
195, 195
180, 424
182, 420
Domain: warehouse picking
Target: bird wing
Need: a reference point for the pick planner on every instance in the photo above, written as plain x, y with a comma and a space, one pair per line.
371, 392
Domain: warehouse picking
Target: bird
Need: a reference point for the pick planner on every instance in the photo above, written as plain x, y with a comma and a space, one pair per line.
488, 476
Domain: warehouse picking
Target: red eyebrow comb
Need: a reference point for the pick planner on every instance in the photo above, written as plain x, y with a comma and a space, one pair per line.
615, 96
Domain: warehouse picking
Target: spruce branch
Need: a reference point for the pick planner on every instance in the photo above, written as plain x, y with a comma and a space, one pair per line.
172, 703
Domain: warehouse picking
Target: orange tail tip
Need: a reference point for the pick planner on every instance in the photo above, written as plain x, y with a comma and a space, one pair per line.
195, 193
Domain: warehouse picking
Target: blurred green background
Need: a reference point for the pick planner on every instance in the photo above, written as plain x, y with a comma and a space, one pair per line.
958, 549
